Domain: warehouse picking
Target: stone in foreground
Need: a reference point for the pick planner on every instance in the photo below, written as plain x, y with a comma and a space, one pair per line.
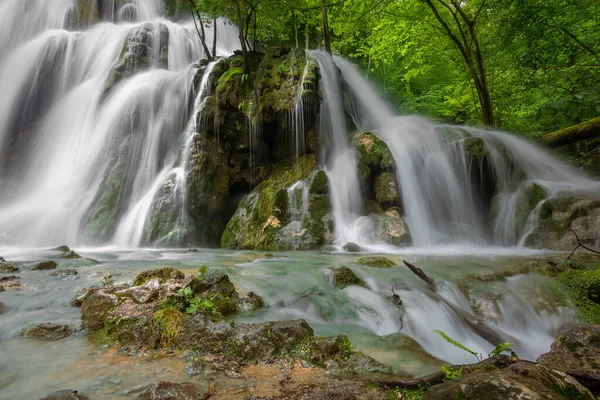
522, 380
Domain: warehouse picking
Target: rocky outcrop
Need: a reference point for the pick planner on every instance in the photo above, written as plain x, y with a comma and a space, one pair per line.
245, 129
290, 210
576, 351
376, 169
145, 46
521, 380
189, 313
559, 216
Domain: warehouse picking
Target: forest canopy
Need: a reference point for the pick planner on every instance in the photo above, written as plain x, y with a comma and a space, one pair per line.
526, 66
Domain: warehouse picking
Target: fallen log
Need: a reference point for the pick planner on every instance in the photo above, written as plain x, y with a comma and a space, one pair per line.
572, 134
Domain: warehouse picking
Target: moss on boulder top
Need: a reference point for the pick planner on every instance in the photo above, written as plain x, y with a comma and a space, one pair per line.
342, 277
377, 262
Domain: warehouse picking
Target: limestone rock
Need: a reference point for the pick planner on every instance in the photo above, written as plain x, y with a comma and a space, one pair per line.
575, 351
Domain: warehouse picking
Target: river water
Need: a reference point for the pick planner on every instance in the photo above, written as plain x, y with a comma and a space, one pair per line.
294, 285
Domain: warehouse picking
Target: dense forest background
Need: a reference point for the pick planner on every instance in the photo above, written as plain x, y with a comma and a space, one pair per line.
525, 66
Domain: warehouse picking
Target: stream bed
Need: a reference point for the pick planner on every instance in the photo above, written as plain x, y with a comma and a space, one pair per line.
524, 308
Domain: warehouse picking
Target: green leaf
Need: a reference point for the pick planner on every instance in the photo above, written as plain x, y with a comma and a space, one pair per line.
500, 348
457, 344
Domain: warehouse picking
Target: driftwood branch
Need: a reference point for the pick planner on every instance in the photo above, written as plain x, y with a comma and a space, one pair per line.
477, 325
579, 244
419, 272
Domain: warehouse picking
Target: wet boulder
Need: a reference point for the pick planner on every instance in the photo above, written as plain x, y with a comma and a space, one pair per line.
162, 275
376, 262
560, 216
64, 272
576, 351
202, 334
170, 391
133, 325
10, 282
219, 289
387, 228
341, 277
8, 267
352, 248
48, 331
2, 305
44, 266
96, 307
522, 380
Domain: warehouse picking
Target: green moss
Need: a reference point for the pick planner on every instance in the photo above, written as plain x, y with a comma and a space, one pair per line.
376, 262
475, 148
344, 276
319, 183
407, 394
169, 322
583, 288
386, 189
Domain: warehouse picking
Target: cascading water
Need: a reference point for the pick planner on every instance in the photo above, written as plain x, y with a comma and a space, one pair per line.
339, 158
442, 202
93, 123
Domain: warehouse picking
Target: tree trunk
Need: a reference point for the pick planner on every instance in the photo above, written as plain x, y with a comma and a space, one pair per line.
472, 57
214, 46
201, 33
242, 39
572, 134
326, 26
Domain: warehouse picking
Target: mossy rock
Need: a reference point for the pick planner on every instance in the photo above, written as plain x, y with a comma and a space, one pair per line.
583, 288
162, 274
376, 262
475, 148
8, 268
352, 248
386, 189
261, 217
342, 277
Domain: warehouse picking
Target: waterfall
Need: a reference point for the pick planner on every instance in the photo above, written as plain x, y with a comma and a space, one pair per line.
338, 156
441, 201
89, 143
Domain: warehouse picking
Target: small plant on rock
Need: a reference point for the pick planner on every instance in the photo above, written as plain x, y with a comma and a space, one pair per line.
498, 350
